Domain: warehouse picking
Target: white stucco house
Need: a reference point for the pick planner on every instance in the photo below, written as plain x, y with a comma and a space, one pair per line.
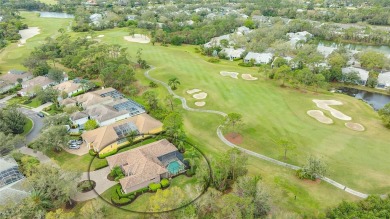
259, 58
384, 80
232, 53
363, 74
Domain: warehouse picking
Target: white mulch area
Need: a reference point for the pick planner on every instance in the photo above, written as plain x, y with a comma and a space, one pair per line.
193, 91
319, 116
27, 34
248, 77
137, 38
201, 103
229, 74
355, 126
325, 105
200, 96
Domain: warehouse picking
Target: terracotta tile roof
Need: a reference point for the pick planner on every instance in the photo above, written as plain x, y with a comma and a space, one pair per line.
37, 81
103, 113
106, 135
13, 78
141, 164
78, 115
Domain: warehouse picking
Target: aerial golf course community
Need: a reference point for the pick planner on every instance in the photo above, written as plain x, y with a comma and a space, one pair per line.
280, 126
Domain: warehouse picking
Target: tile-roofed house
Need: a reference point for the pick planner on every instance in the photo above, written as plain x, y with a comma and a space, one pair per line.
259, 58
384, 80
325, 50
299, 36
69, 87
79, 118
106, 115
216, 41
232, 53
112, 136
363, 74
10, 80
30, 85
146, 164
243, 30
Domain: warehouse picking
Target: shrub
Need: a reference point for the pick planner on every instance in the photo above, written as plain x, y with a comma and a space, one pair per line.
153, 187
213, 60
92, 152
116, 200
27, 102
153, 84
190, 172
117, 173
78, 93
164, 183
249, 64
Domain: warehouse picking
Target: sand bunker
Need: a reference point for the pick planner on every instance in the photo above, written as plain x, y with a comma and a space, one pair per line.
200, 96
88, 37
100, 36
27, 34
137, 38
325, 105
319, 116
248, 77
355, 126
230, 74
193, 91
202, 103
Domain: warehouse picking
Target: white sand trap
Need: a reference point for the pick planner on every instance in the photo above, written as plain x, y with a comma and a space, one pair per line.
355, 126
201, 103
248, 77
137, 38
200, 96
27, 34
88, 37
100, 36
319, 116
193, 91
230, 74
325, 105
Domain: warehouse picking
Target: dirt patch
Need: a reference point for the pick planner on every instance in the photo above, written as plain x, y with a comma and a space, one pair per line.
137, 38
248, 77
312, 182
234, 138
319, 116
325, 105
200, 96
355, 126
201, 103
229, 74
193, 91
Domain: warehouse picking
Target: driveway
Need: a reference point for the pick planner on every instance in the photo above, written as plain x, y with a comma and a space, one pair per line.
41, 107
5, 99
102, 184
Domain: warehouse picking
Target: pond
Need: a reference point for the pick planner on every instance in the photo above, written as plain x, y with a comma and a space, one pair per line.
47, 14
358, 47
377, 101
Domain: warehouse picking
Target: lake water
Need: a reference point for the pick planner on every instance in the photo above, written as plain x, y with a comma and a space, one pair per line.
55, 15
377, 101
383, 49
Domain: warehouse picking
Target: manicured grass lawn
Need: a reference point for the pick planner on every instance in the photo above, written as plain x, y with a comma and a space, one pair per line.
34, 103
73, 162
141, 203
357, 159
27, 127
49, 2
12, 56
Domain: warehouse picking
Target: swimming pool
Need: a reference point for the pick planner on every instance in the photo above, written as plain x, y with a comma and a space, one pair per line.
174, 167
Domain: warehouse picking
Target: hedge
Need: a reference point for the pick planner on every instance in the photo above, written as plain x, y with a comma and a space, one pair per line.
78, 93
92, 152
101, 156
116, 200
154, 187
213, 60
131, 194
164, 183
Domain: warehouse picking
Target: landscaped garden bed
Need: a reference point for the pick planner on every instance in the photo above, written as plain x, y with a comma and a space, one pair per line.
86, 185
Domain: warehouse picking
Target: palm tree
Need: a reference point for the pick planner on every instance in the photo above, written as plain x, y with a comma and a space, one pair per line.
173, 82
192, 156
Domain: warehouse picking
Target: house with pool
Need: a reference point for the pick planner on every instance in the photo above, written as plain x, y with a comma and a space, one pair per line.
147, 164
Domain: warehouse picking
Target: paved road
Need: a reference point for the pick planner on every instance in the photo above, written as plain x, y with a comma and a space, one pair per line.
38, 122
252, 153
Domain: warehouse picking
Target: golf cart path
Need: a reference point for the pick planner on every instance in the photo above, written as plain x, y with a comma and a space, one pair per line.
261, 156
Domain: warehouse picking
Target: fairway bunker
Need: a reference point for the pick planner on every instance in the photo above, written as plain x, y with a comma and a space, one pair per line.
248, 77
319, 116
325, 105
192, 191
193, 91
137, 38
200, 96
27, 34
201, 103
229, 74
355, 126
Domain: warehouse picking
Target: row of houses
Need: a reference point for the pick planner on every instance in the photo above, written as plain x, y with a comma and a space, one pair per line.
383, 78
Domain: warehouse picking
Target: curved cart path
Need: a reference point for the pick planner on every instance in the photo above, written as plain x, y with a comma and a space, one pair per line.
228, 143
